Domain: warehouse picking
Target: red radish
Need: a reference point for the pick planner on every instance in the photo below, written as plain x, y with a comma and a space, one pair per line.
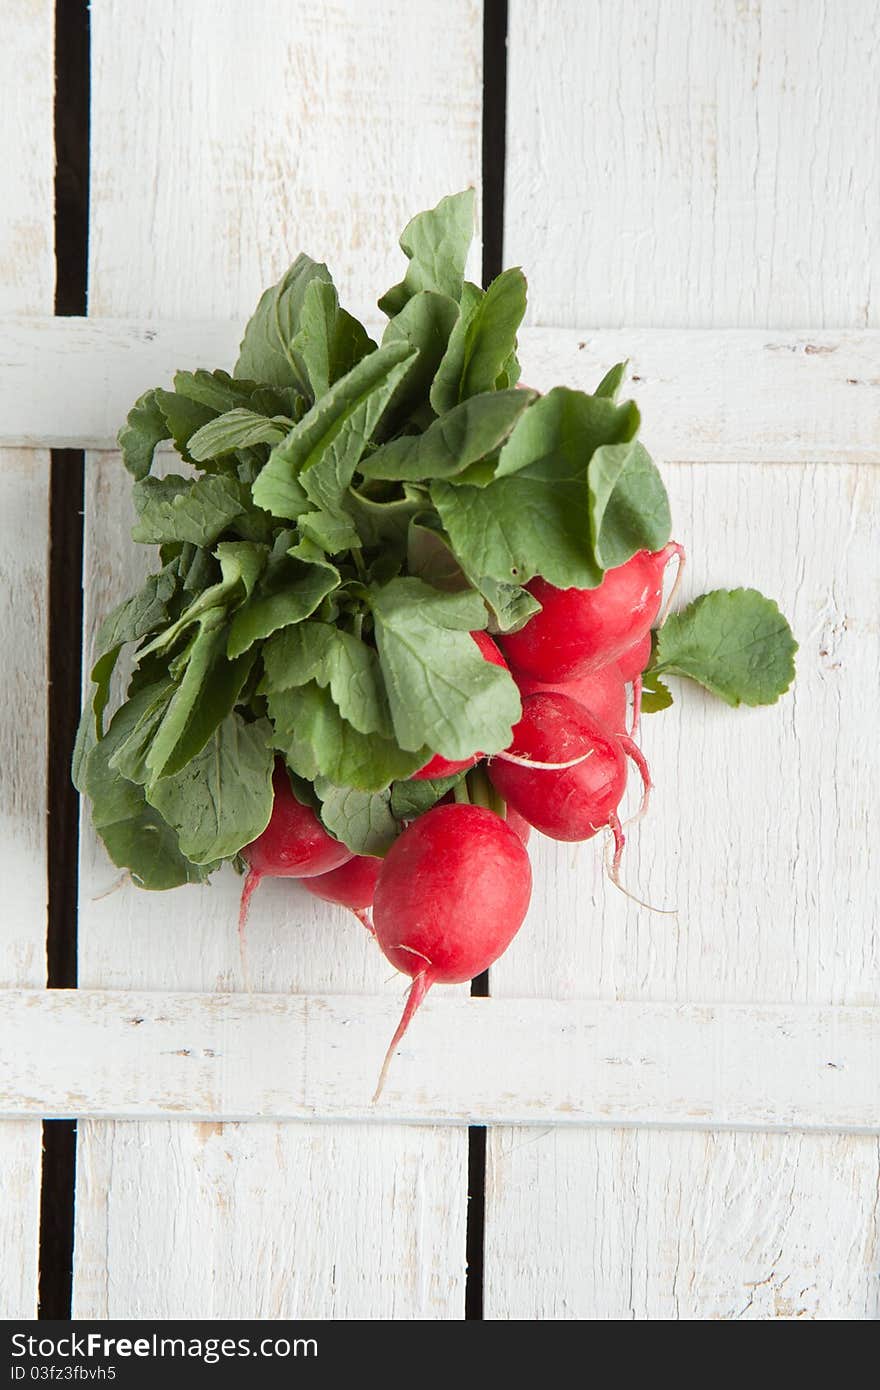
575, 803
446, 767
633, 661
352, 885
579, 630
603, 693
518, 824
293, 845
452, 893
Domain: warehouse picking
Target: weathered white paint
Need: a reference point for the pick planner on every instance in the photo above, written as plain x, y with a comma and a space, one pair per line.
695, 165
320, 126
669, 180
130, 1055
806, 396
26, 287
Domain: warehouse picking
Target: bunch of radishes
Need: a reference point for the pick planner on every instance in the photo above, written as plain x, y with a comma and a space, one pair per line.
399, 603
454, 888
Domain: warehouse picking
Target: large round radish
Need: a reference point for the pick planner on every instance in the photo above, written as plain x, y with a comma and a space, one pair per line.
447, 767
293, 845
452, 893
602, 692
579, 630
352, 885
572, 803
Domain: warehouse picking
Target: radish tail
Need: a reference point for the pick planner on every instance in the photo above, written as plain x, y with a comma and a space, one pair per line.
619, 842
632, 750
637, 706
252, 881
676, 549
363, 916
417, 991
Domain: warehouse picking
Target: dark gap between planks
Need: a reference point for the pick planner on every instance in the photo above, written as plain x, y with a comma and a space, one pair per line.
65, 638
493, 159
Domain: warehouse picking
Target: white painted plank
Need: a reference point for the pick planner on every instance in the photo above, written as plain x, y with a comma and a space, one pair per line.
700, 165
371, 113
26, 287
647, 1224
542, 1062
761, 833
723, 396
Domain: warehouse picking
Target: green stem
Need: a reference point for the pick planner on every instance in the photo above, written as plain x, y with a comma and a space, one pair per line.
460, 793
359, 564
480, 787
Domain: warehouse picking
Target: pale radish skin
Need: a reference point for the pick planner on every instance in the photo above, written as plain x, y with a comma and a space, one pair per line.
446, 767
293, 845
580, 630
352, 885
631, 665
573, 803
452, 894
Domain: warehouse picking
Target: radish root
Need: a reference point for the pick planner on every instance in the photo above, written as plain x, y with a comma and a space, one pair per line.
674, 548
637, 706
251, 882
534, 766
417, 991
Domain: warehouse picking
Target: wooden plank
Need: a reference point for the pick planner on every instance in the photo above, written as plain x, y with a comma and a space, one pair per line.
26, 287
695, 165
721, 396
688, 171
371, 112
544, 1062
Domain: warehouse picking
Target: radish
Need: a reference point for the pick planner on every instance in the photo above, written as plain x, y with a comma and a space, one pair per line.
579, 630
603, 693
452, 894
446, 767
352, 885
633, 661
293, 845
577, 802
518, 824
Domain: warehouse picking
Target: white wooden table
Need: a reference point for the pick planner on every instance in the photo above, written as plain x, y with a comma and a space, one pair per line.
684, 1111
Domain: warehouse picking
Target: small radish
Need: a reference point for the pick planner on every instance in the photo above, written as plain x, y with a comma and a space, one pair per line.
602, 692
579, 630
577, 802
452, 893
446, 767
293, 845
352, 885
518, 824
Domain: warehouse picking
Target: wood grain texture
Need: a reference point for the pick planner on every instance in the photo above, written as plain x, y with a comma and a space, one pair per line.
807, 397
128, 1055
695, 165
321, 127
26, 287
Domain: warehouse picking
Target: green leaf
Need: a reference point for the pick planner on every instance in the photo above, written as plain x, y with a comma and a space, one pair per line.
329, 342
241, 564
222, 799
236, 429
136, 617
437, 244
412, 798
510, 606
656, 695
424, 325
321, 453
429, 556
463, 436
445, 388
629, 508
145, 427
333, 534
183, 417
135, 835
612, 381
384, 523
737, 644
314, 651
184, 509
535, 517
222, 392
478, 358
291, 594
361, 820
443, 694
317, 741
266, 352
